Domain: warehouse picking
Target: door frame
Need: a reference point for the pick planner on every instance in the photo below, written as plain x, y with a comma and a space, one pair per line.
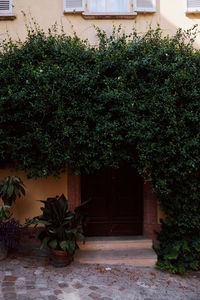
150, 205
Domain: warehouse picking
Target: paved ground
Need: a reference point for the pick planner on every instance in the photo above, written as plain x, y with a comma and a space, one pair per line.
29, 275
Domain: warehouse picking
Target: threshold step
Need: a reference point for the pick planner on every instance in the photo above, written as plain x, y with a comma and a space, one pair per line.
112, 244
117, 251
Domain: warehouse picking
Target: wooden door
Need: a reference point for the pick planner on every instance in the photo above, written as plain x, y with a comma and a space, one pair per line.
116, 206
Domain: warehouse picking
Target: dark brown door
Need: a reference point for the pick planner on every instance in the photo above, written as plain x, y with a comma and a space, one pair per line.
116, 206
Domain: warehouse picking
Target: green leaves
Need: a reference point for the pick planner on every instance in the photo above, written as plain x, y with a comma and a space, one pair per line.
11, 187
129, 99
62, 227
174, 252
80, 236
44, 242
64, 245
4, 213
44, 222
53, 244
69, 246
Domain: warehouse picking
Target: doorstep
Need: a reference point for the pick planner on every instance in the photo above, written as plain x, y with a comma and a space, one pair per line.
131, 250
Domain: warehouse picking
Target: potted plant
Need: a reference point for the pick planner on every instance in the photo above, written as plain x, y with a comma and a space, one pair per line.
11, 187
62, 228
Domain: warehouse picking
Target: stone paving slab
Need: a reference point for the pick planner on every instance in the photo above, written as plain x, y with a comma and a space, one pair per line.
29, 276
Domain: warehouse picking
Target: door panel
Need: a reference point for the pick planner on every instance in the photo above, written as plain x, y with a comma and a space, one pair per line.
116, 202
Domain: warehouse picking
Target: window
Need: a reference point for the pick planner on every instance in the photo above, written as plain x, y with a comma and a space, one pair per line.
115, 6
109, 7
193, 6
5, 6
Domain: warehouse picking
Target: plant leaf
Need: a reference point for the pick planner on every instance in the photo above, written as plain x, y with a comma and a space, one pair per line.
44, 242
53, 244
64, 245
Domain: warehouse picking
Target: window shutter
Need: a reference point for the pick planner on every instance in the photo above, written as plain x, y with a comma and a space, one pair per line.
5, 6
144, 5
73, 5
193, 5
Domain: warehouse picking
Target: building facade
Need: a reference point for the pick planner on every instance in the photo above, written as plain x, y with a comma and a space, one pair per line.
81, 16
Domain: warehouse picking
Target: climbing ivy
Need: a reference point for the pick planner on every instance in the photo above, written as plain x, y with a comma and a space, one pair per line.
129, 99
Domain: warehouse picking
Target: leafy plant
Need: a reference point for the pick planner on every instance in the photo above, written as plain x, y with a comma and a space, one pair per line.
177, 255
11, 187
4, 213
62, 227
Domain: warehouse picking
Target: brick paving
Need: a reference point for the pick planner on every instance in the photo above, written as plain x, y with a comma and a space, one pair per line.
28, 275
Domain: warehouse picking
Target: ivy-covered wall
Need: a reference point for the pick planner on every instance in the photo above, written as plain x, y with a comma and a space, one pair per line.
132, 98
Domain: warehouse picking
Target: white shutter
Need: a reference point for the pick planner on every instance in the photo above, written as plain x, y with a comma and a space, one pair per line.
5, 6
193, 5
73, 5
144, 5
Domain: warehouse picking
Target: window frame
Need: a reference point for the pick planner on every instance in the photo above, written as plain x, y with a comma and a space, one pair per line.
88, 14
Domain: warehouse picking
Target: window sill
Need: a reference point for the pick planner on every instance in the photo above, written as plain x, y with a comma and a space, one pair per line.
65, 12
7, 17
109, 16
196, 12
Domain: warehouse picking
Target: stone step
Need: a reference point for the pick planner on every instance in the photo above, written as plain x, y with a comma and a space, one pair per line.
117, 251
112, 245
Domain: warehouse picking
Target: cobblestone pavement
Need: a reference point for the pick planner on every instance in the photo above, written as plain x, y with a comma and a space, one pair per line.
30, 276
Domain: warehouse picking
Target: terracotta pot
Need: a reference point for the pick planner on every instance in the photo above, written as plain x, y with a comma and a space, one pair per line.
60, 258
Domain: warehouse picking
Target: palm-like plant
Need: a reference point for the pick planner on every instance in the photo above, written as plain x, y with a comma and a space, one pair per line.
11, 187
62, 227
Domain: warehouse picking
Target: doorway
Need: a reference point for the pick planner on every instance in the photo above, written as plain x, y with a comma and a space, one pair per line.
116, 202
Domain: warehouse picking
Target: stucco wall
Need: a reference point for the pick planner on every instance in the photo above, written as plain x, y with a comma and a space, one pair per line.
36, 189
169, 14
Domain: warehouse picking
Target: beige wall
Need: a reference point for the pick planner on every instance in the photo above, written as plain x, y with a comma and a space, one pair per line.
36, 189
170, 15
